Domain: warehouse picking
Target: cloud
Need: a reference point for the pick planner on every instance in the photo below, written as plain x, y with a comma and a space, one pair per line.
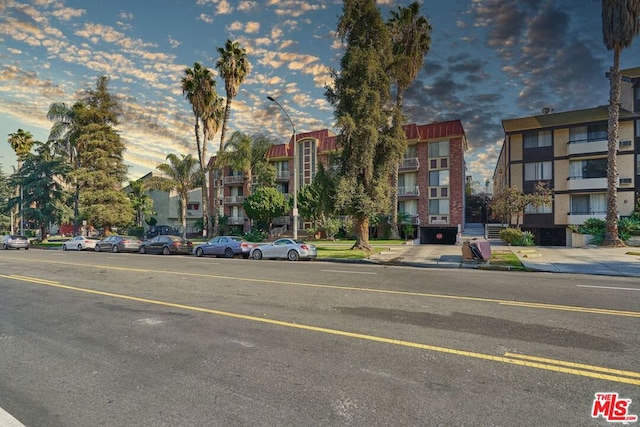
205, 18
252, 27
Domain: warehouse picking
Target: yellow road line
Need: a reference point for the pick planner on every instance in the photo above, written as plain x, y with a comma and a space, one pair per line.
596, 372
371, 290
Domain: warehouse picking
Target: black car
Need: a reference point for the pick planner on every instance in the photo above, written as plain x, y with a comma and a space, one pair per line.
166, 245
161, 230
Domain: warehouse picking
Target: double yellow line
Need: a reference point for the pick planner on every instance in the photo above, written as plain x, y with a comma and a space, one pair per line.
589, 371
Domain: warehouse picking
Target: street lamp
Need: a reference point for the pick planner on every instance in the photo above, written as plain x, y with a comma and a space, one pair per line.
295, 169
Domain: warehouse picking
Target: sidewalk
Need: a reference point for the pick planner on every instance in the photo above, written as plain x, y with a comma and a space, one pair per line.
590, 260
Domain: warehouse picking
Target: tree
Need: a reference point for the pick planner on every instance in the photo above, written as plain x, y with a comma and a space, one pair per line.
5, 195
101, 169
182, 175
41, 178
511, 202
316, 200
141, 201
411, 41
233, 66
21, 142
265, 204
360, 94
620, 25
199, 87
245, 154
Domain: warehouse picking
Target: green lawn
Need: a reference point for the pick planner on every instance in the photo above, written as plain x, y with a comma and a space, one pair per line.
505, 259
343, 251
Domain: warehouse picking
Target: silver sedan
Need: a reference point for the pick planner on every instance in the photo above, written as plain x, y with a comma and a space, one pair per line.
290, 249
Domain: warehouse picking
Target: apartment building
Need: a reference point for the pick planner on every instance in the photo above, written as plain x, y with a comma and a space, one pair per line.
568, 150
431, 180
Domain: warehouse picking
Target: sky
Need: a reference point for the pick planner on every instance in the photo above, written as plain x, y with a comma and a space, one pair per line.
489, 60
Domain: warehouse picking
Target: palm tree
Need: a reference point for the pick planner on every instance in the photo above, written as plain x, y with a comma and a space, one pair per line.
411, 37
21, 141
620, 25
181, 175
234, 66
238, 155
199, 87
141, 202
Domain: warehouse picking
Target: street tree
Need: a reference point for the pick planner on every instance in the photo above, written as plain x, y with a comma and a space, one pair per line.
360, 95
245, 154
233, 65
411, 41
179, 174
141, 201
44, 192
511, 202
265, 204
6, 192
620, 25
21, 142
101, 169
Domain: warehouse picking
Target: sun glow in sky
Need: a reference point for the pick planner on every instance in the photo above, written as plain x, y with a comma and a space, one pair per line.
489, 60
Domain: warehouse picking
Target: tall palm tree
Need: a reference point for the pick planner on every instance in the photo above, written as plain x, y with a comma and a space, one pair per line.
411, 38
141, 201
21, 141
233, 66
182, 175
620, 25
64, 132
238, 155
199, 87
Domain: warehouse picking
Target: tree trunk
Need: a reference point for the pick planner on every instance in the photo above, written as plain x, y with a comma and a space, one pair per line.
611, 237
227, 114
362, 235
202, 152
395, 232
183, 210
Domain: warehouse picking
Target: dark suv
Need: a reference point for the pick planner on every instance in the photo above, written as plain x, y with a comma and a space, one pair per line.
161, 230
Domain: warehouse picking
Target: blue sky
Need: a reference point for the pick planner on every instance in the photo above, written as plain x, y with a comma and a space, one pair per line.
489, 60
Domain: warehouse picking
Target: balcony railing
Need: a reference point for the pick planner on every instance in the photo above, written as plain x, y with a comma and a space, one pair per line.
578, 183
233, 200
581, 146
282, 220
282, 176
235, 179
413, 219
579, 218
235, 220
412, 191
411, 163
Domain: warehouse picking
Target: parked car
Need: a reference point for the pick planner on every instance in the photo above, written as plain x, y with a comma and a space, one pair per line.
166, 245
80, 243
227, 246
15, 242
161, 230
290, 249
118, 244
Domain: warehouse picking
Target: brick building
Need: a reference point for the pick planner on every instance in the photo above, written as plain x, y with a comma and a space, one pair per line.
431, 180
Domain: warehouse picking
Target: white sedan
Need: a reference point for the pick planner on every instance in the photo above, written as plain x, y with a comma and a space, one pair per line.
79, 243
290, 249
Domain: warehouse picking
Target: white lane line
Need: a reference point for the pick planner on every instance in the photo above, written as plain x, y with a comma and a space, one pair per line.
349, 272
608, 287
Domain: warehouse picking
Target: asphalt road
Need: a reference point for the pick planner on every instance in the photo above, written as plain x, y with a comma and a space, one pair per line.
101, 339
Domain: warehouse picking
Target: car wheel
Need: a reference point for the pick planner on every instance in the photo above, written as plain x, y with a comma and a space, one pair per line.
228, 253
5, 247
97, 248
142, 250
257, 254
64, 247
114, 249
199, 252
293, 255
165, 251
79, 247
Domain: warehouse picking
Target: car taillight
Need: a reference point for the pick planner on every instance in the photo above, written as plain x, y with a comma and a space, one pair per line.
176, 244
305, 247
126, 241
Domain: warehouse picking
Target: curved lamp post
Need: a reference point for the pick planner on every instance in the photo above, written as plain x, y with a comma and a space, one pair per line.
295, 169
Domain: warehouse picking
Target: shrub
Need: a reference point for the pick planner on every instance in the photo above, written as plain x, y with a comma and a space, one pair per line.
511, 236
256, 236
526, 239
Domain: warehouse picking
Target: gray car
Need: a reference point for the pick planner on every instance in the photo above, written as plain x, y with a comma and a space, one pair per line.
227, 246
15, 242
118, 244
290, 249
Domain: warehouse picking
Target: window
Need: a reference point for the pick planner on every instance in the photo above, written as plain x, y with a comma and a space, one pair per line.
439, 149
537, 139
546, 209
439, 207
589, 204
193, 206
438, 178
597, 132
591, 168
411, 152
537, 171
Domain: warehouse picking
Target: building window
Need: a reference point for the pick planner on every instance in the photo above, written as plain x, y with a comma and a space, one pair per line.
438, 178
545, 209
589, 204
537, 139
439, 207
439, 149
411, 152
537, 171
638, 164
306, 162
591, 168
193, 206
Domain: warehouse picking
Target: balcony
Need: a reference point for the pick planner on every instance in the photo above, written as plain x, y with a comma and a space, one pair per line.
582, 146
412, 219
235, 179
409, 192
235, 220
409, 164
577, 183
233, 200
282, 220
282, 175
579, 218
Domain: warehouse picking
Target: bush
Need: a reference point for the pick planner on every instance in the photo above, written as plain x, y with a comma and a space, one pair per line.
256, 236
136, 231
511, 236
